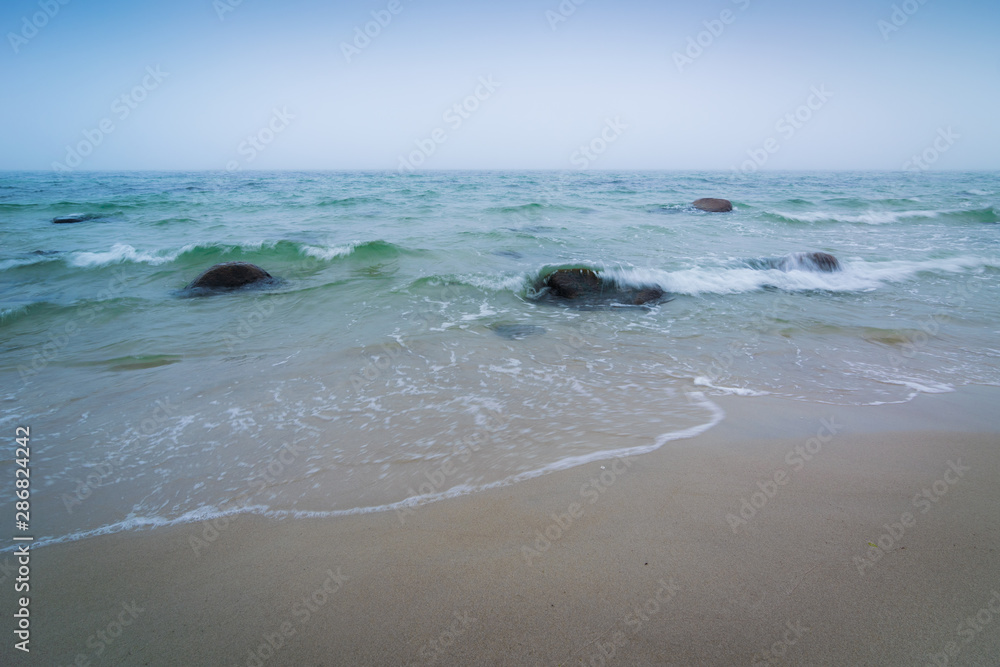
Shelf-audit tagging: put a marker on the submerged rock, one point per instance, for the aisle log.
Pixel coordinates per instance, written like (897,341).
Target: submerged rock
(586,288)
(822,261)
(230,276)
(76,217)
(517,331)
(713,205)
(800,261)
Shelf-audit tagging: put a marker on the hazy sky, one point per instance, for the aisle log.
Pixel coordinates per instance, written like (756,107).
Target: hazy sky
(256,84)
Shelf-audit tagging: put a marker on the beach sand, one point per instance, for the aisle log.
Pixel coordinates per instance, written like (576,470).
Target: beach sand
(646,568)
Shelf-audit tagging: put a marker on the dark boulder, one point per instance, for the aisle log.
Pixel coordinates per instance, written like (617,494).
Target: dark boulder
(573,283)
(714,205)
(586,288)
(230,276)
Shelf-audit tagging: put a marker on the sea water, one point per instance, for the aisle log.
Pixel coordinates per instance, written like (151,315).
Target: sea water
(401,357)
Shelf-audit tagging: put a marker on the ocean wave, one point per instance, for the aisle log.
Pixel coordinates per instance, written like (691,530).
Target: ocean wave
(329,252)
(495,283)
(200,253)
(347,202)
(13,312)
(536,207)
(119,253)
(35,258)
(501,282)
(875,217)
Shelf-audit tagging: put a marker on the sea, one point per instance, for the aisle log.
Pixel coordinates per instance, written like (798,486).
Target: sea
(402,354)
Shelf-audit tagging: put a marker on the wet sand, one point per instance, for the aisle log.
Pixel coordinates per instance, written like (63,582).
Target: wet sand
(749,544)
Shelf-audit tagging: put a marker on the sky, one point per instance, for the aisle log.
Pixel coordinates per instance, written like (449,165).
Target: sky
(542,84)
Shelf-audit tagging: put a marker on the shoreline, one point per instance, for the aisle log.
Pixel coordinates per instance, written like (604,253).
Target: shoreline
(752,537)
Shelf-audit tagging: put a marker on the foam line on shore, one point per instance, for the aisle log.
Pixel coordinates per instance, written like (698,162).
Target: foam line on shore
(137,523)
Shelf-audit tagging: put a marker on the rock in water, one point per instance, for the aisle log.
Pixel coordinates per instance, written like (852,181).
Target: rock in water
(647,295)
(799,261)
(714,205)
(230,276)
(573,283)
(822,261)
(585,288)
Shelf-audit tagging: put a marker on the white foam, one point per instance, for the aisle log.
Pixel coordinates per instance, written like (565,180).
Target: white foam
(856,276)
(495,283)
(329,252)
(702,381)
(484,311)
(923,387)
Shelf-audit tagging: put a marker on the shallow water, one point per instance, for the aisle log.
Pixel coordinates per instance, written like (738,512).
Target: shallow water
(392,363)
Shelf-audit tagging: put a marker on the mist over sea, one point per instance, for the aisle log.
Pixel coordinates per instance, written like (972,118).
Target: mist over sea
(402,357)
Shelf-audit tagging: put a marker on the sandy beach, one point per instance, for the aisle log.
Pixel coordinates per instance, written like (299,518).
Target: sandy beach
(750,544)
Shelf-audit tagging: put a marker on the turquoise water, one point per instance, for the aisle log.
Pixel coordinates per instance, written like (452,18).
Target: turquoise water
(372,376)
